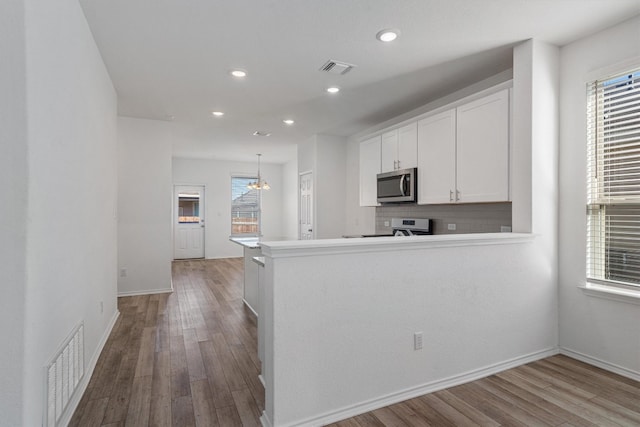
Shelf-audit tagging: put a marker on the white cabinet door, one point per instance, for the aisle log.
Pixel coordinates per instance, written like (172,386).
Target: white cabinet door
(408,146)
(369,169)
(437,158)
(483,149)
(389,151)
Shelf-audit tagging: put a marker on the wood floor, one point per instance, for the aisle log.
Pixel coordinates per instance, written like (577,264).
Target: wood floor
(190,359)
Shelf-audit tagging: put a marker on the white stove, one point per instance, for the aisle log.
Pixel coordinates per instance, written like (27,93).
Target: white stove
(411,226)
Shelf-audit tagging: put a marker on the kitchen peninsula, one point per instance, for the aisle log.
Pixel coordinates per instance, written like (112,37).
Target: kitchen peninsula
(251,249)
(342,319)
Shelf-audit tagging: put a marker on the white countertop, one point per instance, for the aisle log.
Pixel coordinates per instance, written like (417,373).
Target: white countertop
(247,242)
(254,242)
(291,248)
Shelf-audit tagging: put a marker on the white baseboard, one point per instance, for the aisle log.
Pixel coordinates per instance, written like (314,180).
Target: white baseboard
(249,307)
(360,408)
(146,292)
(82,387)
(607,366)
(264,420)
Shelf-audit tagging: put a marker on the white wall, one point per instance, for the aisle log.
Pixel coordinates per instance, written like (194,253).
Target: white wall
(13,209)
(534,161)
(341,321)
(326,157)
(144,206)
(290,200)
(603,331)
(329,181)
(359,220)
(215,175)
(72,185)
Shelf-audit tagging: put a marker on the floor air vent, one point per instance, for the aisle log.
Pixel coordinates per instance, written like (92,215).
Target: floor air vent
(64,373)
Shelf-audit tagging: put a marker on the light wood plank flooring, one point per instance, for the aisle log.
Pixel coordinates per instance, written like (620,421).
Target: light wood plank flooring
(190,359)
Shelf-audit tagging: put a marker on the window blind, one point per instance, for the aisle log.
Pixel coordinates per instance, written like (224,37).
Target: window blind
(613,211)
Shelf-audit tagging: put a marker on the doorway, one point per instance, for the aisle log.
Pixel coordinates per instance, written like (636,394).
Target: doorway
(188,222)
(306,206)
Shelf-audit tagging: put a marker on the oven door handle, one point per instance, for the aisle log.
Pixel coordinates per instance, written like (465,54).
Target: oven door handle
(402,184)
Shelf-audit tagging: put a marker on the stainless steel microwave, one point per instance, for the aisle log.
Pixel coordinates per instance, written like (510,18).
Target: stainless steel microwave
(398,186)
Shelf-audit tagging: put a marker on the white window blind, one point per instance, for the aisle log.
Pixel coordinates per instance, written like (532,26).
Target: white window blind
(613,211)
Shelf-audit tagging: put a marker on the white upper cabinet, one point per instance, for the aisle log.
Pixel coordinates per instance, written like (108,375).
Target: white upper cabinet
(437,158)
(389,151)
(370,150)
(399,148)
(483,149)
(463,153)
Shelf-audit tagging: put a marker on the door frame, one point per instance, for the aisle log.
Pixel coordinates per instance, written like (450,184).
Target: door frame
(174,218)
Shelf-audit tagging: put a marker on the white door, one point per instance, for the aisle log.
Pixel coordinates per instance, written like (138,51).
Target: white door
(306,206)
(188,222)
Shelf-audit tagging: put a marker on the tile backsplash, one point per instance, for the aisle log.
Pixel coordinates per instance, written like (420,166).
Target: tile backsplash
(468,218)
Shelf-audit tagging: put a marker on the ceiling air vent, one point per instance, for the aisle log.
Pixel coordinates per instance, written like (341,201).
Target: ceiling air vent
(261,133)
(336,67)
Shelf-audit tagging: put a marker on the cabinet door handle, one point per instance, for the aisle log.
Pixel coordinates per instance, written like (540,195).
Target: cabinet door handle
(451,195)
(398,164)
(457,195)
(395,164)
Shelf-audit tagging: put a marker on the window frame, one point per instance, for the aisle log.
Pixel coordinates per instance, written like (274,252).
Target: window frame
(598,199)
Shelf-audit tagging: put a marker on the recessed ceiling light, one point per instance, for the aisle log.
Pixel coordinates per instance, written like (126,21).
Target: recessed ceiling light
(288,122)
(333,89)
(238,73)
(217,113)
(387,35)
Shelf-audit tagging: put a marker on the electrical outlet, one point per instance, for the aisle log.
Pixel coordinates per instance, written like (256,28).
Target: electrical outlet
(123,272)
(386,223)
(417,341)
(451,227)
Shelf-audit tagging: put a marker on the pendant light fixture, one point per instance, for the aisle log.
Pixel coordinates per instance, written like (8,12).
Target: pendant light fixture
(259,184)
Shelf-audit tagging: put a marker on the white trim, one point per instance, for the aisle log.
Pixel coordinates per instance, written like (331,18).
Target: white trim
(607,366)
(82,387)
(146,292)
(303,248)
(612,293)
(436,107)
(264,420)
(360,408)
(249,307)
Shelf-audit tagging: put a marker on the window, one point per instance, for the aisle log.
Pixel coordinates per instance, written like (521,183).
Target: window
(245,207)
(613,211)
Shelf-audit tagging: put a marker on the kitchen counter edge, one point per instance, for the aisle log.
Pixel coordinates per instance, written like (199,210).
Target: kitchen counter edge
(296,248)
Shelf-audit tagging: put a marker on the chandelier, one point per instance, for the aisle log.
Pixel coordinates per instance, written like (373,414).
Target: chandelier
(259,184)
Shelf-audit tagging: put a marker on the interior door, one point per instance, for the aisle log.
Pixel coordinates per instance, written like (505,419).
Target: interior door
(306,206)
(188,225)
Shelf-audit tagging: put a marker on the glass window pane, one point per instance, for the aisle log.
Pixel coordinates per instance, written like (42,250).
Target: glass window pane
(245,206)
(188,208)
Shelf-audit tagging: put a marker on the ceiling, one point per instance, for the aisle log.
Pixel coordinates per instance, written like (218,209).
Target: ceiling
(170,60)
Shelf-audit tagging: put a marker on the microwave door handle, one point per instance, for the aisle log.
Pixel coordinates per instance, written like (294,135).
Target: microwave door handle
(402,186)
